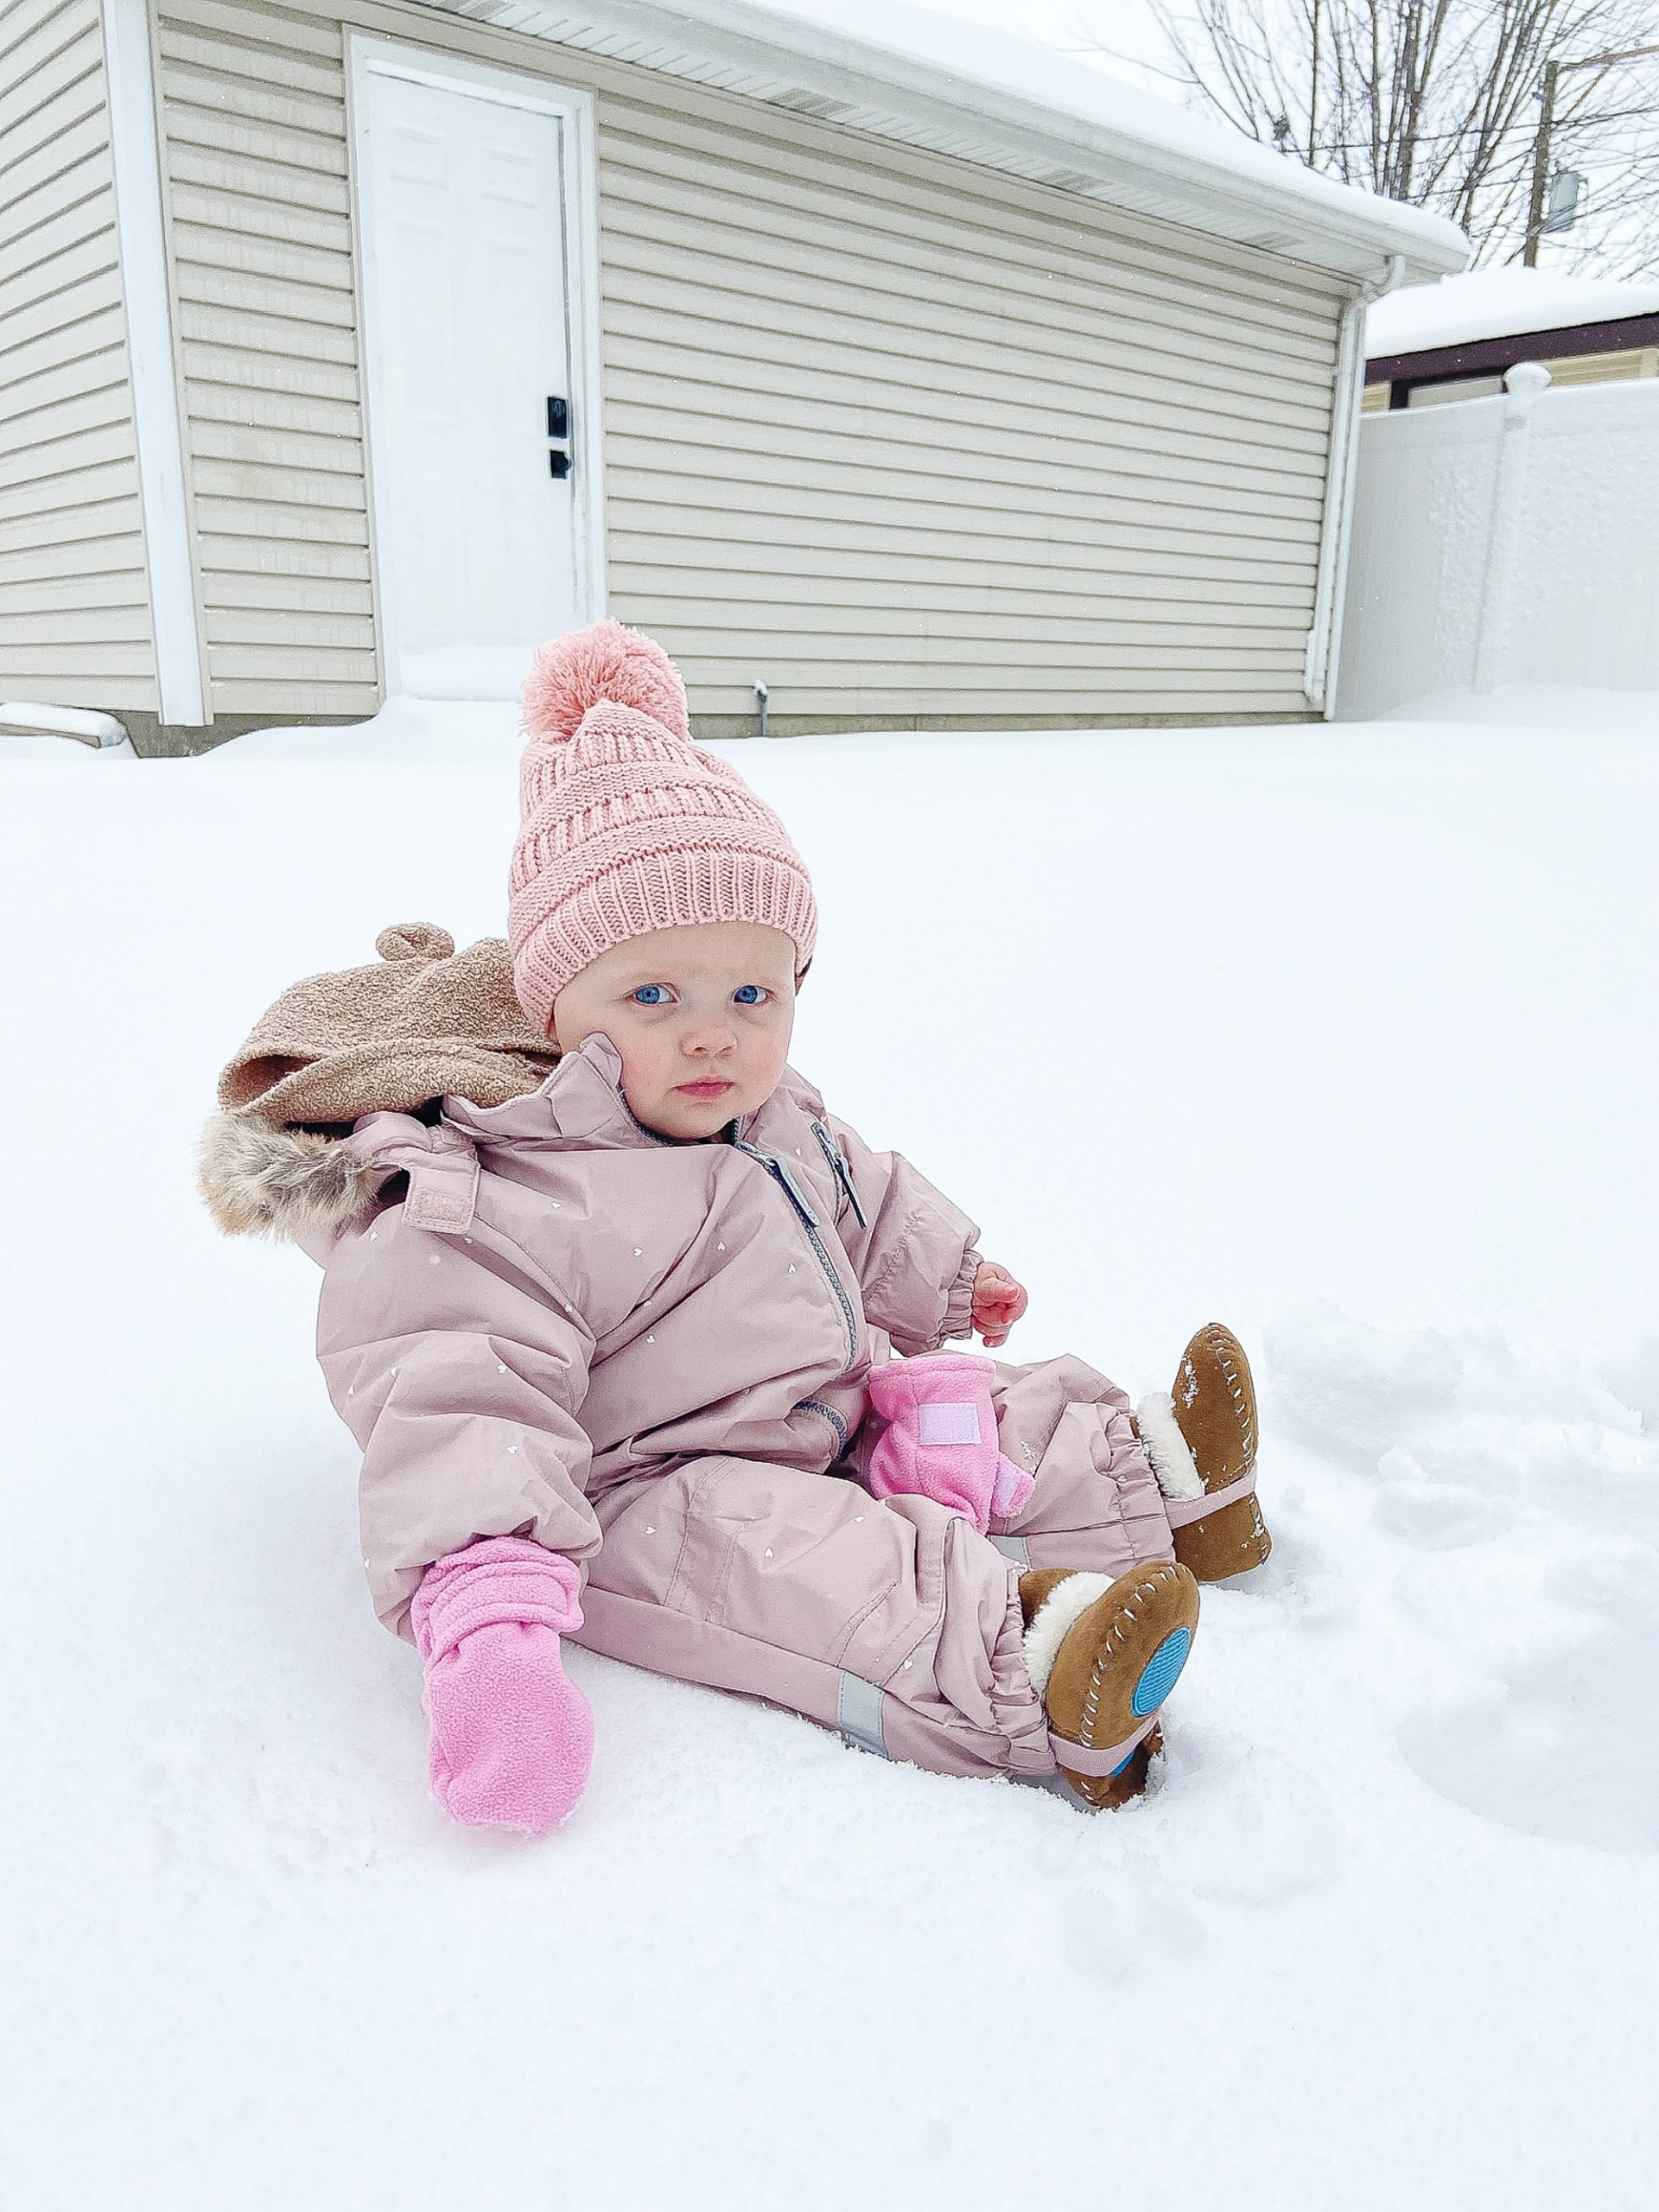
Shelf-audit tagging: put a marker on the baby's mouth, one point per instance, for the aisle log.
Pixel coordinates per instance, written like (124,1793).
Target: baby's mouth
(710,1087)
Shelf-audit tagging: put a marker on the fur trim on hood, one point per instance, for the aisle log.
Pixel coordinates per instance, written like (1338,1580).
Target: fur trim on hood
(257,1179)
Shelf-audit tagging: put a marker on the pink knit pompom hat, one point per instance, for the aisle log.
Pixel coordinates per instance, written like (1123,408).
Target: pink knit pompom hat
(625,826)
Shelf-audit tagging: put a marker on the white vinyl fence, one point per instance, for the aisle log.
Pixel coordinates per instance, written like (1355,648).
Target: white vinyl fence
(1513,540)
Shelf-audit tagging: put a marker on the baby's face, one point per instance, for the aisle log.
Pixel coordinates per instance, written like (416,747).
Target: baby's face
(701,1015)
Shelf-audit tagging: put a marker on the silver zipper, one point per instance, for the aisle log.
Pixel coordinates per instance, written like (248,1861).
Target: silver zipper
(781,1173)
(841,1170)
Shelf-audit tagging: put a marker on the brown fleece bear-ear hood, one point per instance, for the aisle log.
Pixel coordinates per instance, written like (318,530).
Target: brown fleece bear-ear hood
(422,1022)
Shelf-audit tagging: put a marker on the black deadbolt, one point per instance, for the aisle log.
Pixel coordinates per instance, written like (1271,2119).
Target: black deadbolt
(558,419)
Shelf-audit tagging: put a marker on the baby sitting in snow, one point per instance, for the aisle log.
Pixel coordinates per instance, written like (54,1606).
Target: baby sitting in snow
(618,1341)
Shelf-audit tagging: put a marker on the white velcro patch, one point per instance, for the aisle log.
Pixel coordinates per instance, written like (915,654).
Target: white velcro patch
(952,1423)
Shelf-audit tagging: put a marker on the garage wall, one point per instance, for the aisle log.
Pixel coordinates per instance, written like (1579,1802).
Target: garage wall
(259,223)
(905,438)
(74,605)
(908,440)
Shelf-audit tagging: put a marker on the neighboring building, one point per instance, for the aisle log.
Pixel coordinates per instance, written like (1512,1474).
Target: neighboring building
(1454,339)
(349,346)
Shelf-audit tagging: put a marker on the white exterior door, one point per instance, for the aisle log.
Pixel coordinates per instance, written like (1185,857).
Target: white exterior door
(468,308)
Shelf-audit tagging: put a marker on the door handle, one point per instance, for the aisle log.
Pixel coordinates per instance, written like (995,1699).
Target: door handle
(558,426)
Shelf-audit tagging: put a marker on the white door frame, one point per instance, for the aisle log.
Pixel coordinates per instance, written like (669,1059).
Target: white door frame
(579,189)
(181,689)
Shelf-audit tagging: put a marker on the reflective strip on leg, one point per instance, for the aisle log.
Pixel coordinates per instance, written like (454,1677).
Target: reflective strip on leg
(1014,1547)
(858,1715)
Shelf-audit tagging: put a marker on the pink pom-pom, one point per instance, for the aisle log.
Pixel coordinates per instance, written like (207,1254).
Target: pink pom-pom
(604,661)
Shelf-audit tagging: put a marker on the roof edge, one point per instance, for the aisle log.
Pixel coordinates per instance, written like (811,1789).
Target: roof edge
(786,60)
(1471,356)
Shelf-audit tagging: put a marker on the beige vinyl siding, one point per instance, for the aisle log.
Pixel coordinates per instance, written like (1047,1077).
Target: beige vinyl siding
(259,221)
(75,603)
(1603,368)
(908,439)
(912,441)
(1617,367)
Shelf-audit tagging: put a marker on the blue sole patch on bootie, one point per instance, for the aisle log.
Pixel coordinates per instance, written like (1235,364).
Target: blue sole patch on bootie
(1161,1673)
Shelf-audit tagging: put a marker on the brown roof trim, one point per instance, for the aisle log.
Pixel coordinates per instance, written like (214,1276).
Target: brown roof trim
(1480,356)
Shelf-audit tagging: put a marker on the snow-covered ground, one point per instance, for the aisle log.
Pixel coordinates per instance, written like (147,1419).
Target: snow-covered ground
(1344,1035)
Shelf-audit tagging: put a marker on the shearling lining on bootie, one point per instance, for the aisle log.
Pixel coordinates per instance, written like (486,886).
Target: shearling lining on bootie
(1058,1613)
(1167,1449)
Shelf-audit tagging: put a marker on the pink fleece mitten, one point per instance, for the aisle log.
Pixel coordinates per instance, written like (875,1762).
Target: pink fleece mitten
(511,1737)
(940,1441)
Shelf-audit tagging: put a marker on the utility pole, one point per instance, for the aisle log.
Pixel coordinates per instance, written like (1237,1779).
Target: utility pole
(1540,164)
(1313,95)
(1546,126)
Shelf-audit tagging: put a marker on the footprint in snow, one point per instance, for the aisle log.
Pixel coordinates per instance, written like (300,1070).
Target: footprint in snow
(227,1791)
(1367,1392)
(1528,1482)
(1561,1744)
(1236,1824)
(1437,1513)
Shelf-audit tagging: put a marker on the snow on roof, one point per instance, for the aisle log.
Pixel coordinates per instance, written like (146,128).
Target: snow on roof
(1498,303)
(980,57)
(1004,102)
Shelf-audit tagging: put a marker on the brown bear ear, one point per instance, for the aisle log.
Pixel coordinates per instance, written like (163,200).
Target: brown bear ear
(414,940)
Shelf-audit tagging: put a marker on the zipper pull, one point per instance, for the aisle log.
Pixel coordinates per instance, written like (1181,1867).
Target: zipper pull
(844,1173)
(779,1172)
(786,1175)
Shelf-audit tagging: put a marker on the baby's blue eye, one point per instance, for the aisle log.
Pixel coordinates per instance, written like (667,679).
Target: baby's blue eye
(751,994)
(649,994)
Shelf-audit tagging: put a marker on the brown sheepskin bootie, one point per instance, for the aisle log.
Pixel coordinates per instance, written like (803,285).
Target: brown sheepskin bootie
(1102,1656)
(1201,1441)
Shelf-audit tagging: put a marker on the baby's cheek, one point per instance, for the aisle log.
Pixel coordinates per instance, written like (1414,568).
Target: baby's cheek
(642,1079)
(775,1072)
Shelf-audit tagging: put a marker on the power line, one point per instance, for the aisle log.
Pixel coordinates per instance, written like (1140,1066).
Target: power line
(1474,129)
(1584,119)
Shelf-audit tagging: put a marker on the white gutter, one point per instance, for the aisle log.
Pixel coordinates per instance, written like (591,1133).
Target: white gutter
(154,383)
(1331,590)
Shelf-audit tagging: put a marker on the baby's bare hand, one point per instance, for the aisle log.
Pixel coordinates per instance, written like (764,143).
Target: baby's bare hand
(999,1302)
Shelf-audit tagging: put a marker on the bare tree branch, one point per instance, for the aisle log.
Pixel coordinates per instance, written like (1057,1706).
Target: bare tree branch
(1436,102)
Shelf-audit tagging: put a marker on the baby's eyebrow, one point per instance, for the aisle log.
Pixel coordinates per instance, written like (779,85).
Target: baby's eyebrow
(635,979)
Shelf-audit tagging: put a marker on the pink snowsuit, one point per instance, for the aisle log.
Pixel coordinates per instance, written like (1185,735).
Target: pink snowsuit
(652,1356)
